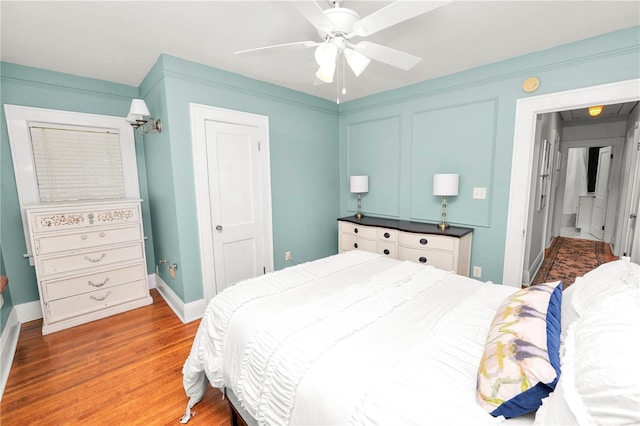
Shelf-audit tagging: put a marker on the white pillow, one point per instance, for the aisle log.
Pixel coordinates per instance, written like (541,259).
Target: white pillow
(600,368)
(607,279)
(567,313)
(554,410)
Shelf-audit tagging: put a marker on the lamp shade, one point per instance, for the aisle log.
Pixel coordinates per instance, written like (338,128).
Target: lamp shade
(138,107)
(356,60)
(326,53)
(446,184)
(326,72)
(359,184)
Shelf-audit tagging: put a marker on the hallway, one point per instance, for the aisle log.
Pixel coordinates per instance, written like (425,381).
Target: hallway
(568,258)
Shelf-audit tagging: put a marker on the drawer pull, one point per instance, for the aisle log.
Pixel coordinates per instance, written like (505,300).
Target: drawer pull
(423,241)
(423,259)
(386,251)
(92,284)
(99,299)
(355,245)
(95,260)
(101,234)
(387,235)
(84,237)
(355,230)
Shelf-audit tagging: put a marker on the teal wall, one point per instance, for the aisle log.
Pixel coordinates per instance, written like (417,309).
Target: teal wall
(303,136)
(47,89)
(464,123)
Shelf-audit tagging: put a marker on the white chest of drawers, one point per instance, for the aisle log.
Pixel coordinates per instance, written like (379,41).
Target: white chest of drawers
(405,240)
(89,259)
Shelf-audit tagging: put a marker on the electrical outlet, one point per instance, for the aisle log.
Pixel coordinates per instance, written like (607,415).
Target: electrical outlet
(477,271)
(287,255)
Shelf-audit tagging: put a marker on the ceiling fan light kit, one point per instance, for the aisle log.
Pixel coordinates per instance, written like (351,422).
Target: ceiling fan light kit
(356,60)
(337,25)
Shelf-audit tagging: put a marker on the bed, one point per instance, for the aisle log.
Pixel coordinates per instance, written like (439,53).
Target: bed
(358,339)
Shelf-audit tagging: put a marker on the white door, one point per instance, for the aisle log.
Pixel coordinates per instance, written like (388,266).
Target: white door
(632,241)
(231,163)
(235,202)
(600,200)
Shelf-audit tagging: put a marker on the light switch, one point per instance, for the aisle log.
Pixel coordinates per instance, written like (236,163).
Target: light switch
(479,193)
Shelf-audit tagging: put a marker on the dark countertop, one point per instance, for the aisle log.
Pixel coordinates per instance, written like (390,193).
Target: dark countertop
(408,226)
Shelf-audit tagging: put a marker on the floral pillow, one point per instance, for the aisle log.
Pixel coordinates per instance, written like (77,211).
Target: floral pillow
(521,361)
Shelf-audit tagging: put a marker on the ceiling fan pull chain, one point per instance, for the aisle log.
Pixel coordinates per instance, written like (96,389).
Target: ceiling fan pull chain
(338,83)
(344,77)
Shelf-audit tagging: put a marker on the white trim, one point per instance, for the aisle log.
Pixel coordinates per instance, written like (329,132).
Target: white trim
(533,268)
(186,312)
(521,163)
(18,120)
(199,115)
(29,311)
(8,344)
(151,280)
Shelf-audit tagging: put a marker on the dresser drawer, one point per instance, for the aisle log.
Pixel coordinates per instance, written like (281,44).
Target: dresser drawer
(426,241)
(75,219)
(359,230)
(388,249)
(61,288)
(439,259)
(352,242)
(48,265)
(69,307)
(390,235)
(52,243)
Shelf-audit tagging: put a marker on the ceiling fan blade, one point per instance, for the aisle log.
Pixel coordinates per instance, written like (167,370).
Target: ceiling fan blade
(290,46)
(394,14)
(314,14)
(387,55)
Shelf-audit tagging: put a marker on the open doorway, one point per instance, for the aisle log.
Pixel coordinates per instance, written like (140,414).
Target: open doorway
(587,179)
(523,154)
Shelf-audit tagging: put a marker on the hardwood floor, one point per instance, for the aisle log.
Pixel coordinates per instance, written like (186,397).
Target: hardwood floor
(125,369)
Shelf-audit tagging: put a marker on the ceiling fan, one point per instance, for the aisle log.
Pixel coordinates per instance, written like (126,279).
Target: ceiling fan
(336,26)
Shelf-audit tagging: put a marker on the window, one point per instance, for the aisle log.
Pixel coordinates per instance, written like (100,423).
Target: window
(75,163)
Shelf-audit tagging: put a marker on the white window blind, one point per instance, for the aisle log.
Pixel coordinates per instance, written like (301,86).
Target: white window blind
(76,163)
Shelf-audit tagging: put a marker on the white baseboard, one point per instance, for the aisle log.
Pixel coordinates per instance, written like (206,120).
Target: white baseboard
(187,312)
(151,280)
(8,344)
(534,268)
(29,311)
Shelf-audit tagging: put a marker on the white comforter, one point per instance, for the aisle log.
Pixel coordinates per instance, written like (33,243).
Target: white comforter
(354,339)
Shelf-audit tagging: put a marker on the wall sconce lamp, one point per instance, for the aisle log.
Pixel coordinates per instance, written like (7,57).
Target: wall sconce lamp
(359,185)
(445,185)
(137,115)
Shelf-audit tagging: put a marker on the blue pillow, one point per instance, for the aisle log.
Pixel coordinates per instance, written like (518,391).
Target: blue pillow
(521,361)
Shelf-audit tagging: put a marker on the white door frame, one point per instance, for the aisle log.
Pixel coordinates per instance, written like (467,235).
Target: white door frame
(521,163)
(199,114)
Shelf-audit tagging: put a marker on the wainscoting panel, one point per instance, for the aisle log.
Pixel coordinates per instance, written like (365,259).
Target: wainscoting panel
(373,149)
(457,139)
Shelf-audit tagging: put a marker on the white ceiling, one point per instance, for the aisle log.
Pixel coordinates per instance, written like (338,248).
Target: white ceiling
(119,41)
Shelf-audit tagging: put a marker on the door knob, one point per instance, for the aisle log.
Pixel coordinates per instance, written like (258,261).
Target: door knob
(633,216)
(218,227)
